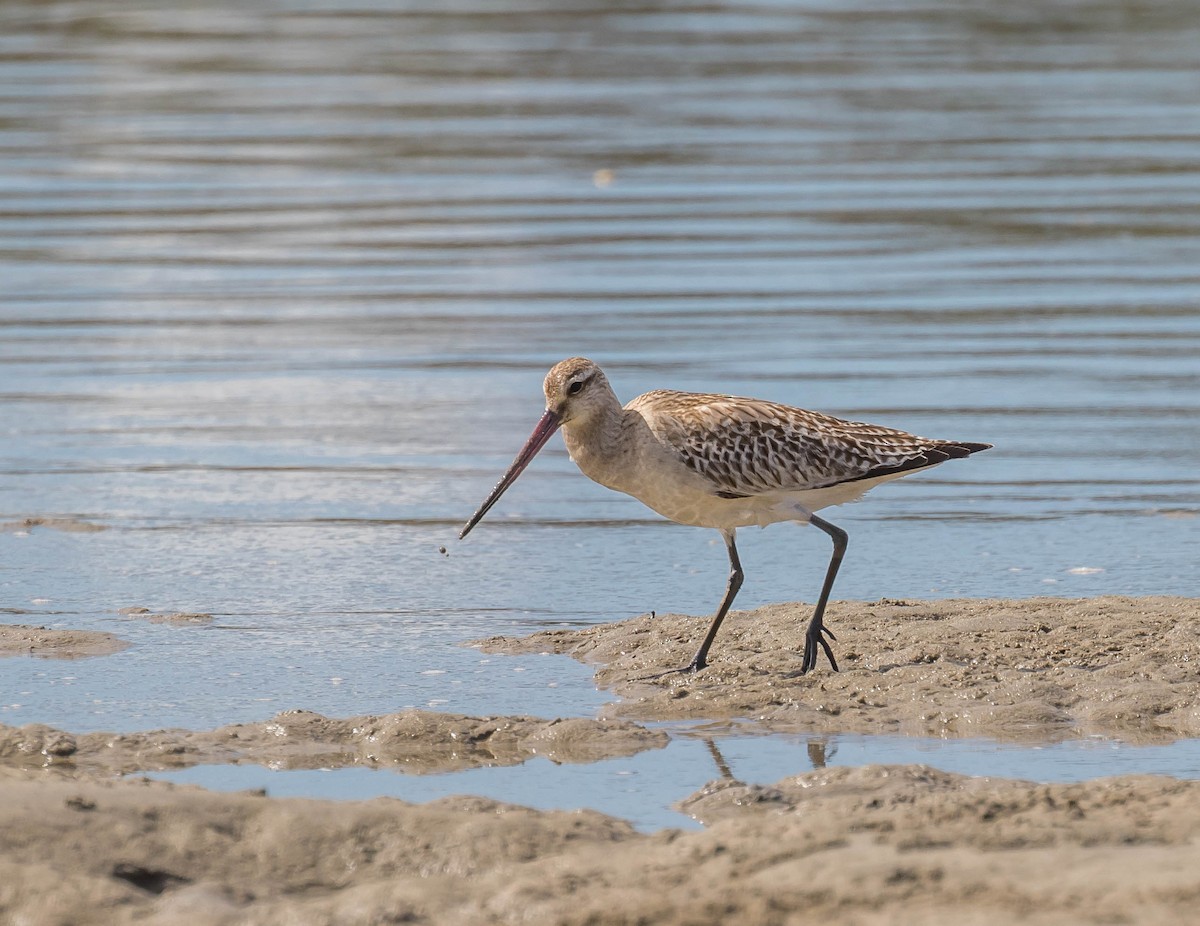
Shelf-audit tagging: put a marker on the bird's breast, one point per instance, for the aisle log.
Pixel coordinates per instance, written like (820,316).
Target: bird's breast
(657,478)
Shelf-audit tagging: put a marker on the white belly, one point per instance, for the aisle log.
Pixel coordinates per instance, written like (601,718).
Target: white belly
(683,496)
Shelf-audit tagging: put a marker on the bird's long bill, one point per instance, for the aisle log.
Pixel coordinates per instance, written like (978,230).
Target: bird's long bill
(537,440)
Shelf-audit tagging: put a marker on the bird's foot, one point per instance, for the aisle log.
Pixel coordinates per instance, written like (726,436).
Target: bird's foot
(694,666)
(816,637)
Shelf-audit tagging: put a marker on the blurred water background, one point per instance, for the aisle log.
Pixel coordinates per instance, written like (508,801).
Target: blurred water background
(279,283)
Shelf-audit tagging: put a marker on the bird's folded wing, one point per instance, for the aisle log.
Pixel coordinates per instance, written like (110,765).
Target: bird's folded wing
(748,446)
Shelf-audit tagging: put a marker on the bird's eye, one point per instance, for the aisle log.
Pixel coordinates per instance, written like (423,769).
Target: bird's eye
(575,388)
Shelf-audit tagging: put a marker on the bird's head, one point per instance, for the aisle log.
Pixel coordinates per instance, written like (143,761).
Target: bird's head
(577,390)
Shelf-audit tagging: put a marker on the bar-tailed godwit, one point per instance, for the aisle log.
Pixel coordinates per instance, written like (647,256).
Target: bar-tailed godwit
(723,462)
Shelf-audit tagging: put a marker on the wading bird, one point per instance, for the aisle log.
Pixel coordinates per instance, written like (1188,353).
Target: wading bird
(723,462)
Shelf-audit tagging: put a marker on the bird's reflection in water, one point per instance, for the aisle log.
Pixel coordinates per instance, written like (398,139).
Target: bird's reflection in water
(819,753)
(719,760)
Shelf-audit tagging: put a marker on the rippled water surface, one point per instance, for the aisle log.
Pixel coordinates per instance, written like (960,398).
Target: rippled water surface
(278,287)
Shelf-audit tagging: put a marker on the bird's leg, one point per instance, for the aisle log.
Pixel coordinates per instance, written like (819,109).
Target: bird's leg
(817,631)
(722,765)
(700,660)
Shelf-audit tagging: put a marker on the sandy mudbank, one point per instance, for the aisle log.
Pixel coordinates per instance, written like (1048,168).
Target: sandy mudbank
(70,525)
(413,741)
(28,640)
(174,618)
(869,845)
(1043,668)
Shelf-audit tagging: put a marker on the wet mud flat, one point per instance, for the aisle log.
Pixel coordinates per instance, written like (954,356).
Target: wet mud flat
(84,839)
(1030,669)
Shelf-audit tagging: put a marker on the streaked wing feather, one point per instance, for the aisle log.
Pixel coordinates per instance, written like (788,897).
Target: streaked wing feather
(747,446)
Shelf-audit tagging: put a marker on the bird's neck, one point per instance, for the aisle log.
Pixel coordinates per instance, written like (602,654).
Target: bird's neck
(596,444)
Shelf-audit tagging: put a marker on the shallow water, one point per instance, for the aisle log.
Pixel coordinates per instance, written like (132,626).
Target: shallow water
(644,788)
(279,288)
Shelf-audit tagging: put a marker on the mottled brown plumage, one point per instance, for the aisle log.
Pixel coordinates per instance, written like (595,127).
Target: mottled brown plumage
(724,462)
(749,446)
